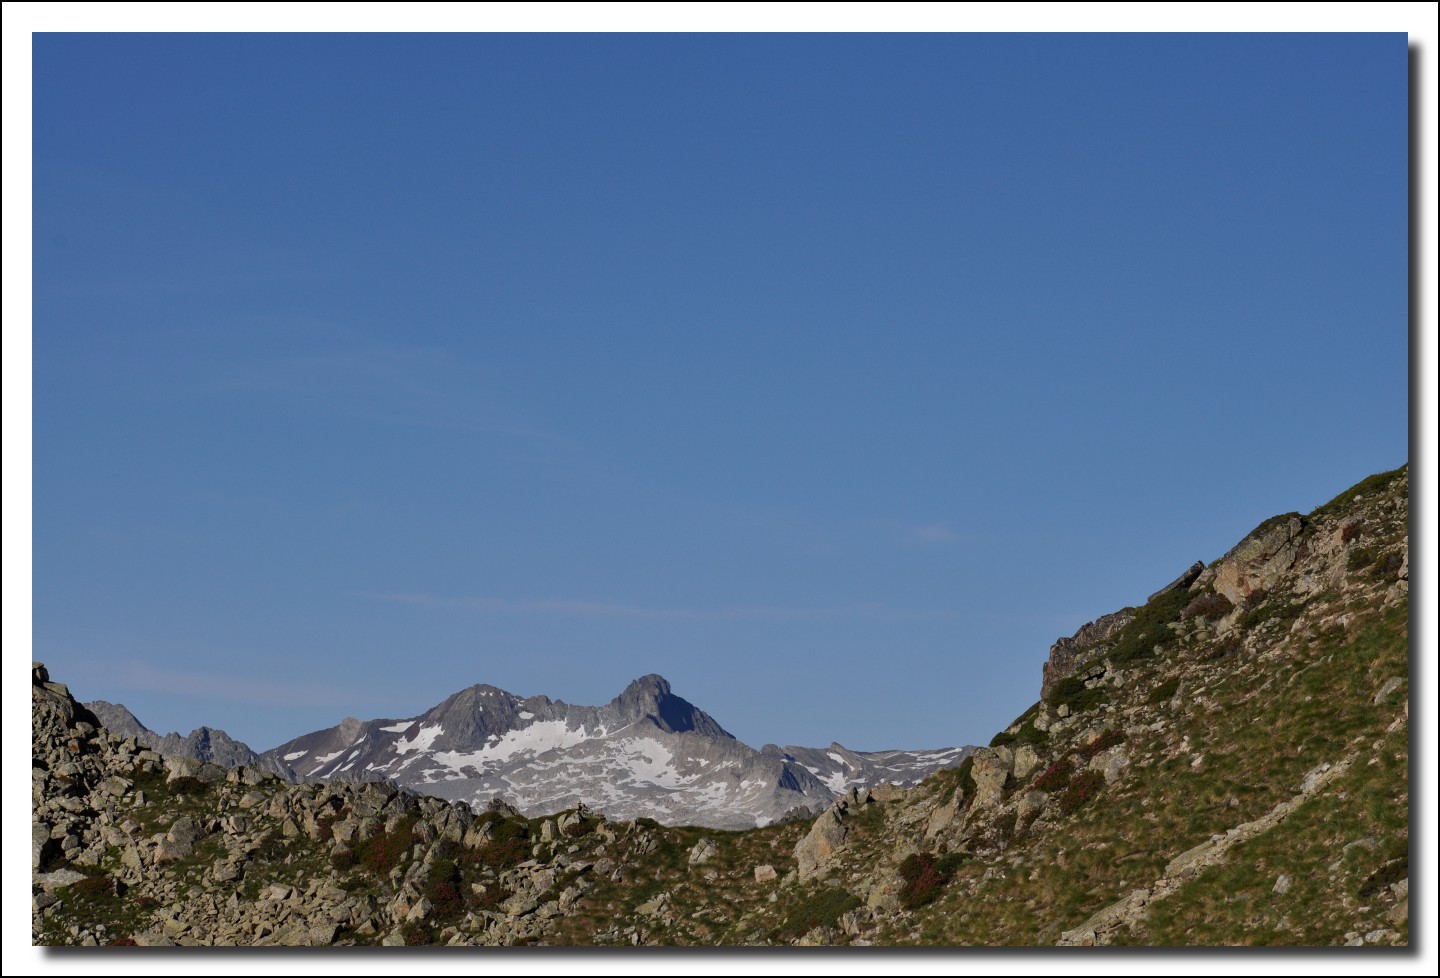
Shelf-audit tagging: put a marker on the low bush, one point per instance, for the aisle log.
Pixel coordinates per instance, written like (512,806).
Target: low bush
(1364,487)
(923,880)
(1150,627)
(1072,692)
(1210,605)
(1028,734)
(822,909)
(1085,786)
(1106,740)
(1163,692)
(1267,610)
(416,934)
(1361,557)
(383,851)
(1054,777)
(1383,878)
(191,787)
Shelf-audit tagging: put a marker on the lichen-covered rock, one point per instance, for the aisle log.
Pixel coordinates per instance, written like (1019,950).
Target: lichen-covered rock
(1257,563)
(992,767)
(824,839)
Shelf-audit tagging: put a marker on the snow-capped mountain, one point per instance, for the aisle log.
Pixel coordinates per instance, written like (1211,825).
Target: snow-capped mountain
(840,768)
(647,753)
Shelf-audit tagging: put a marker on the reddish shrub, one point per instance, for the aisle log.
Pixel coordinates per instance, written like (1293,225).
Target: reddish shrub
(1054,777)
(1106,740)
(923,880)
(1207,606)
(1087,785)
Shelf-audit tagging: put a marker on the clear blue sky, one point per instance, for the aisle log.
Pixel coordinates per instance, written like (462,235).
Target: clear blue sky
(831,377)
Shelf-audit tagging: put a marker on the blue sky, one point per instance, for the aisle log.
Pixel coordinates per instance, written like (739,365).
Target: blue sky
(832,377)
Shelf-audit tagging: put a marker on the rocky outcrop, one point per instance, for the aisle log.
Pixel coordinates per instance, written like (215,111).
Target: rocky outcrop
(202,744)
(827,835)
(1256,564)
(1067,653)
(1090,639)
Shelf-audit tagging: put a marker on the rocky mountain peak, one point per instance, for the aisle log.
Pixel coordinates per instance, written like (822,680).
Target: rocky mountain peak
(649,697)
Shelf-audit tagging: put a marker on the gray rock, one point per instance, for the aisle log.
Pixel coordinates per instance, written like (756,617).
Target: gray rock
(825,838)
(1390,686)
(702,851)
(992,766)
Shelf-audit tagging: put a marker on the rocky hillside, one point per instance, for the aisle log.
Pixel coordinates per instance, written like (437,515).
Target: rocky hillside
(1227,763)
(646,754)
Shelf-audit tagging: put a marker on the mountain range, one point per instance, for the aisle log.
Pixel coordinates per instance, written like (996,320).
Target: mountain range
(646,754)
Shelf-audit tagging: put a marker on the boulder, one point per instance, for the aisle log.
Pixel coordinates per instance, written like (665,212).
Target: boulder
(814,852)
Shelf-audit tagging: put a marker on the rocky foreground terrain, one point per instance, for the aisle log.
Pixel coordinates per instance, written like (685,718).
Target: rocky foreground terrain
(1226,764)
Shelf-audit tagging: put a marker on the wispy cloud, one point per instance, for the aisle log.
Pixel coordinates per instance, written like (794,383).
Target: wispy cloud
(572,608)
(931,533)
(410,385)
(137,675)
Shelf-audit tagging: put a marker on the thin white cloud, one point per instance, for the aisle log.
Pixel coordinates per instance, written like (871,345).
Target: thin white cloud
(410,385)
(932,533)
(137,675)
(572,608)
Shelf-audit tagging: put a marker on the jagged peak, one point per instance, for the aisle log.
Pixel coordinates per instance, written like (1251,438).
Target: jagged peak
(648,683)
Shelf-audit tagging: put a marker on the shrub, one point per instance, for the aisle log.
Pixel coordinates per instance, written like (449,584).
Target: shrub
(445,897)
(1219,650)
(382,851)
(1272,522)
(1364,487)
(1085,786)
(492,896)
(94,888)
(923,880)
(501,855)
(1106,740)
(1265,610)
(823,909)
(1054,777)
(416,934)
(187,785)
(505,829)
(1072,692)
(1165,691)
(1392,872)
(1210,605)
(1150,626)
(579,828)
(1027,734)
(1361,557)
(965,779)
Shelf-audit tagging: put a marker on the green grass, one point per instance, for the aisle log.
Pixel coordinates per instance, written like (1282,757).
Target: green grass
(1366,486)
(823,908)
